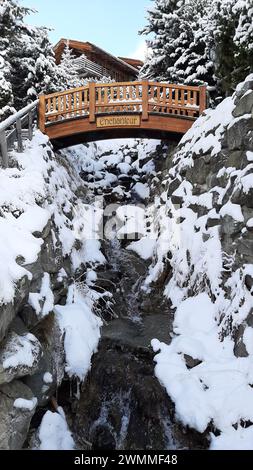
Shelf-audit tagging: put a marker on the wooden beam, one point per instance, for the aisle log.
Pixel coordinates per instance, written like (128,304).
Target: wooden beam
(92,102)
(202,99)
(30,125)
(145,100)
(4,149)
(42,112)
(19,135)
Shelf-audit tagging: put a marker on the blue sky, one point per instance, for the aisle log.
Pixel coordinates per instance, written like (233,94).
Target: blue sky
(110,24)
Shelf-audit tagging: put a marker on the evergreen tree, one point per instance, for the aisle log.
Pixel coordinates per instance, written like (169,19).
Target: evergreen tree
(67,70)
(180,47)
(30,66)
(223,21)
(198,41)
(68,76)
(33,67)
(6,96)
(196,62)
(9,24)
(244,38)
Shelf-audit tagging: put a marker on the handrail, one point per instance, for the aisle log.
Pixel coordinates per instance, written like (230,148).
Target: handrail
(176,85)
(66,92)
(12,130)
(4,125)
(142,97)
(117,84)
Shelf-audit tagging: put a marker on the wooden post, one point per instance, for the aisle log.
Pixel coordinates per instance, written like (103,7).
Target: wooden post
(30,125)
(4,149)
(202,99)
(92,101)
(19,135)
(145,100)
(42,112)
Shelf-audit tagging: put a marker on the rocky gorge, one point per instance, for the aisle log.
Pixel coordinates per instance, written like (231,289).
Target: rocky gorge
(167,296)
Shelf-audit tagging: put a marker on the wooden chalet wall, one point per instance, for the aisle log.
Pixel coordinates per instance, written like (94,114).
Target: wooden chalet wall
(115,67)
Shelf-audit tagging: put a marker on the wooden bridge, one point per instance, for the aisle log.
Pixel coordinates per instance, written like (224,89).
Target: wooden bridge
(106,111)
(114,110)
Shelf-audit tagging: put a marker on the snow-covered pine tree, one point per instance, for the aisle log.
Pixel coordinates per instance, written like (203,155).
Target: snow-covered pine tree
(6,96)
(33,67)
(30,66)
(44,75)
(67,70)
(198,41)
(14,41)
(156,65)
(8,14)
(195,66)
(244,39)
(180,45)
(223,21)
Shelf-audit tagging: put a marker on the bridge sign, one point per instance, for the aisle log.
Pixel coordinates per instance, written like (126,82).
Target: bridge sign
(118,121)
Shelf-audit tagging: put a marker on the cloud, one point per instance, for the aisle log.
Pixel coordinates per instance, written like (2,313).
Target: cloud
(141,51)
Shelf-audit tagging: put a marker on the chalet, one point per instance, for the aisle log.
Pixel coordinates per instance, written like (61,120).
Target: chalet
(92,61)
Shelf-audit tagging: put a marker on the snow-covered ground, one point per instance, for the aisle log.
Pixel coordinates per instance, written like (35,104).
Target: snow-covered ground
(218,389)
(27,203)
(37,190)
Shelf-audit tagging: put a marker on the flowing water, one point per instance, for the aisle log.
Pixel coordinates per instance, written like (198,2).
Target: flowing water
(121,404)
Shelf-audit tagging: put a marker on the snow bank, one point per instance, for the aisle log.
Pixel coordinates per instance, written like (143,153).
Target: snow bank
(233,439)
(142,190)
(47,378)
(22,192)
(42,302)
(210,390)
(39,189)
(143,247)
(81,329)
(54,433)
(206,133)
(200,370)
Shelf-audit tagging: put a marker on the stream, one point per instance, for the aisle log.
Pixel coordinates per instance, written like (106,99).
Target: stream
(121,404)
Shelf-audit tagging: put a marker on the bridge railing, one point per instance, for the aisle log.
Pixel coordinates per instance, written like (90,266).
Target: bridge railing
(14,129)
(131,97)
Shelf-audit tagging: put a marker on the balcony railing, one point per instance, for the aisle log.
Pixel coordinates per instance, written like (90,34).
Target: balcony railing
(84,65)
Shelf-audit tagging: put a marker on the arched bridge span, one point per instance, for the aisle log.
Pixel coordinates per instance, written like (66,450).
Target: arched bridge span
(115,110)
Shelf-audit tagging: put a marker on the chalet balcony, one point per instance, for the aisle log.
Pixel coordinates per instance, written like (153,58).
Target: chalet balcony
(87,68)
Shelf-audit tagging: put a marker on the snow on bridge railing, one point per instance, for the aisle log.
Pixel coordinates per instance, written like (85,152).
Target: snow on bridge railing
(15,128)
(125,97)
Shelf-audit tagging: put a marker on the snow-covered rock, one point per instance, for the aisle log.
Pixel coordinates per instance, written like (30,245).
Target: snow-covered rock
(19,356)
(210,250)
(54,433)
(43,240)
(81,330)
(142,190)
(17,407)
